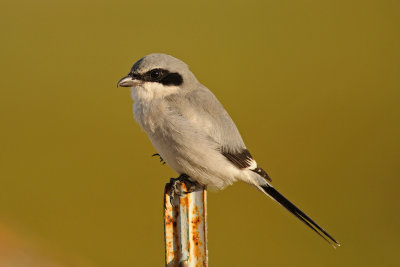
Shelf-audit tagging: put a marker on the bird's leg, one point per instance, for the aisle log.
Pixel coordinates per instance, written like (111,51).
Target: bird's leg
(191,186)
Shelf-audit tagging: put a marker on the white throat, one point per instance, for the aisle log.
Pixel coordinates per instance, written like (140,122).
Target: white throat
(149,91)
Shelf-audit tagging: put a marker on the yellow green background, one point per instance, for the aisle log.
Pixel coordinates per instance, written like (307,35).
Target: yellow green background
(312,85)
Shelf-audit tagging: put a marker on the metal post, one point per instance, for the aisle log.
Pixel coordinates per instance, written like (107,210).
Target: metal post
(185,228)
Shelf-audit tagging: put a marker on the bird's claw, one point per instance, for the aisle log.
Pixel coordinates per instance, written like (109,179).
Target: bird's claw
(176,189)
(161,159)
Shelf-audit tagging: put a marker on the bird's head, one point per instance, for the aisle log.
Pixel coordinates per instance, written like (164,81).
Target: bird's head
(157,75)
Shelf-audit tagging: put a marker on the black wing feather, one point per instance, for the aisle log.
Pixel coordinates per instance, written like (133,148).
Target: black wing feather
(243,160)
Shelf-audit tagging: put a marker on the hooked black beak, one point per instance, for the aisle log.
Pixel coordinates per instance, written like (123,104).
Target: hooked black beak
(127,81)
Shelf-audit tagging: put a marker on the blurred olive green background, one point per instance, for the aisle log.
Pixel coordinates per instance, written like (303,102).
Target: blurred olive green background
(312,85)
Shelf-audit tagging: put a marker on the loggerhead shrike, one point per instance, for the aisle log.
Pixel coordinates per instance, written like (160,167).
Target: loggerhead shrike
(193,133)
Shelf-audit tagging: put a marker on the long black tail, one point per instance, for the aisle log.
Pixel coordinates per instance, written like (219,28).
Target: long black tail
(274,194)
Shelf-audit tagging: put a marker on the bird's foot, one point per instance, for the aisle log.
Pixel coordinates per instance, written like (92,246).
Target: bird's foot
(161,159)
(176,189)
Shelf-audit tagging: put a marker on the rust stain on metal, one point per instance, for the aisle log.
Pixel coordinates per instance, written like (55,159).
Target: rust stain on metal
(195,237)
(185,224)
(195,222)
(168,220)
(172,248)
(184,199)
(205,249)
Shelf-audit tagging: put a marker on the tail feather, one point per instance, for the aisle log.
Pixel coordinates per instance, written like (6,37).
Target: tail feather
(275,195)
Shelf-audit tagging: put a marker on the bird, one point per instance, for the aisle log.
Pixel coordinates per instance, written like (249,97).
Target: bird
(194,134)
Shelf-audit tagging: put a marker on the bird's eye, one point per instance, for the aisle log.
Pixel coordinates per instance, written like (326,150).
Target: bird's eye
(155,74)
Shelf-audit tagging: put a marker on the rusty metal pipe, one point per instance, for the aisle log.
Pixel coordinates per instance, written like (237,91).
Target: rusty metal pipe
(185,228)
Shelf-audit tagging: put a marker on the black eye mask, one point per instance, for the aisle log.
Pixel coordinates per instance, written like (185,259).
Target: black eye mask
(160,76)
